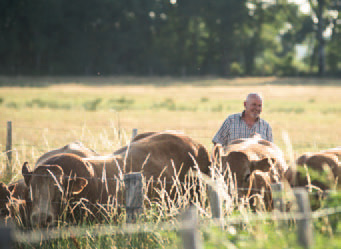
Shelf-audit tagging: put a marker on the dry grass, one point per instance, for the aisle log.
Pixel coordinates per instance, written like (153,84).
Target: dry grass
(308,113)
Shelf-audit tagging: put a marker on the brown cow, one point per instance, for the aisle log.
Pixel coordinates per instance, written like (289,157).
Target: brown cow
(258,190)
(143,135)
(76,148)
(318,172)
(14,196)
(16,191)
(325,162)
(13,203)
(248,154)
(240,159)
(159,156)
(64,178)
(5,196)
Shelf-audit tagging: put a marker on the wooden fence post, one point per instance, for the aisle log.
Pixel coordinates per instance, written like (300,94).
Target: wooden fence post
(6,239)
(134,195)
(190,234)
(277,196)
(133,133)
(304,224)
(9,150)
(215,202)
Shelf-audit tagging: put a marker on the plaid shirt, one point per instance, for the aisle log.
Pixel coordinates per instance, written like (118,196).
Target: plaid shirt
(234,127)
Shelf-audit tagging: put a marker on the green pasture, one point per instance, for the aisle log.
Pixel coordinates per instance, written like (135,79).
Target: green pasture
(47,113)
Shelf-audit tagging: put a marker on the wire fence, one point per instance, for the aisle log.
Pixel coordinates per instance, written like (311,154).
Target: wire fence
(191,129)
(36,236)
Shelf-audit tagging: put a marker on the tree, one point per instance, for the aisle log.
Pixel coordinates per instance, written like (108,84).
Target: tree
(320,10)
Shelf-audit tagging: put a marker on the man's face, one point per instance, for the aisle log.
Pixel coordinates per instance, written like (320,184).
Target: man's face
(253,107)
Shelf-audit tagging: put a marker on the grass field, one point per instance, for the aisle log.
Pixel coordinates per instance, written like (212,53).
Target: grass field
(47,113)
(57,114)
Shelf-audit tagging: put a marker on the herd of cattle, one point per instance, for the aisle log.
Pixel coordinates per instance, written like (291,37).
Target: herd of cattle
(63,178)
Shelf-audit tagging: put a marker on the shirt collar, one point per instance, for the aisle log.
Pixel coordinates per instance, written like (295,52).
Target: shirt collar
(242,114)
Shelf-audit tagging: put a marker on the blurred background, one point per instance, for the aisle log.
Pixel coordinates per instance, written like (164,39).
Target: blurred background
(170,37)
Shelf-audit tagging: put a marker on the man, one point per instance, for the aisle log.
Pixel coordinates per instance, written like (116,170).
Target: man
(245,124)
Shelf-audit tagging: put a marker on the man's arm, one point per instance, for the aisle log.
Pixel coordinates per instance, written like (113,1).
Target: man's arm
(223,134)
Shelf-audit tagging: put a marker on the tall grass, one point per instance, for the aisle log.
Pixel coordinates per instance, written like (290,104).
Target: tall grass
(158,226)
(103,117)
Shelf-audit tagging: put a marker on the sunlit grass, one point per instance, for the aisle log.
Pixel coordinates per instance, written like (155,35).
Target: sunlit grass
(102,117)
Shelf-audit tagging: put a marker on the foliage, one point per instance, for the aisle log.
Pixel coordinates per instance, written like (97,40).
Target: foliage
(157,37)
(92,105)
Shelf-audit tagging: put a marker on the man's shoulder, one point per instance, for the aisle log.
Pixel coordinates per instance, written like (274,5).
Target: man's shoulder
(264,122)
(235,116)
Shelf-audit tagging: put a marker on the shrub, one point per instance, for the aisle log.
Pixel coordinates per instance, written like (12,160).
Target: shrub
(92,105)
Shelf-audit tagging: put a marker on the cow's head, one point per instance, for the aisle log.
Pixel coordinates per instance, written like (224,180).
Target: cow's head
(241,166)
(258,190)
(49,189)
(5,195)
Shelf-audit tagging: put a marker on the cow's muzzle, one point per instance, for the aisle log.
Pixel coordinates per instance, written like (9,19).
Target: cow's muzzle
(42,219)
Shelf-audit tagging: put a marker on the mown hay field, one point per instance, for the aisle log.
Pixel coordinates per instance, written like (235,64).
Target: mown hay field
(48,113)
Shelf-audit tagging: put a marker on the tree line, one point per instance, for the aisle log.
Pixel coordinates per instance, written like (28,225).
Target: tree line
(169,37)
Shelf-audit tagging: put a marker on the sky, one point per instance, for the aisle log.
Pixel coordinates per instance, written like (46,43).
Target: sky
(304,5)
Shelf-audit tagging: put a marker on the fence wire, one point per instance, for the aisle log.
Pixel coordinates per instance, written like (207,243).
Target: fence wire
(36,236)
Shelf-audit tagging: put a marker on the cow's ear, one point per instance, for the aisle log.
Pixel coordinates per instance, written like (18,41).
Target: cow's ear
(26,173)
(77,185)
(263,165)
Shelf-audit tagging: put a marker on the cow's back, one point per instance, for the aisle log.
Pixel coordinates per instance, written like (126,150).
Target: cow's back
(160,155)
(109,171)
(258,149)
(76,148)
(322,163)
(170,150)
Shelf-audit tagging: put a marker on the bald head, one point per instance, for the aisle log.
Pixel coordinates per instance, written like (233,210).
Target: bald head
(253,96)
(253,106)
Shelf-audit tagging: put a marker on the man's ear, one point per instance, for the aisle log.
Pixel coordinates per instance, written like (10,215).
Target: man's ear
(263,165)
(77,184)
(26,173)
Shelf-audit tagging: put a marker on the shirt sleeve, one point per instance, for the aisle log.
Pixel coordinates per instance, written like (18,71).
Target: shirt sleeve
(223,134)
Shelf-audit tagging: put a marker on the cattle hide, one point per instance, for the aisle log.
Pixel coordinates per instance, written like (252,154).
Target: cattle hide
(64,179)
(243,161)
(162,156)
(76,148)
(324,167)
